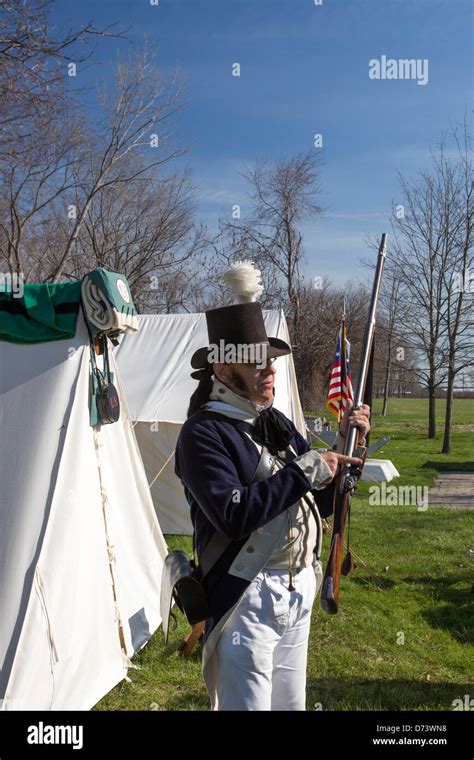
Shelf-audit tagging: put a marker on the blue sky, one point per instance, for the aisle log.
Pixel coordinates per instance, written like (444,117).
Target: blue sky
(304,70)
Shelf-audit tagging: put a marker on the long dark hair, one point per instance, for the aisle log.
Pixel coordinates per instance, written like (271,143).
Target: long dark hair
(202,392)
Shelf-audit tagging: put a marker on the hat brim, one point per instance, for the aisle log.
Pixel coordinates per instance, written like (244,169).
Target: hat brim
(276,347)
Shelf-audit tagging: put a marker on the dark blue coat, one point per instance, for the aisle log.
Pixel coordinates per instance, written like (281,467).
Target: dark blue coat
(213,460)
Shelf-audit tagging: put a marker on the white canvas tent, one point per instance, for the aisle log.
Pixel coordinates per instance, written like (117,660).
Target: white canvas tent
(81,550)
(155,370)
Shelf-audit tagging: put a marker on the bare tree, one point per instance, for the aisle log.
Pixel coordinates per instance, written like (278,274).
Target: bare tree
(34,184)
(457,200)
(283,197)
(419,261)
(433,246)
(146,231)
(32,69)
(230,244)
(138,126)
(80,197)
(388,331)
(320,320)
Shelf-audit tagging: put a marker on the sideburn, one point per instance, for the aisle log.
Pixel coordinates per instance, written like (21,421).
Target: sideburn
(238,382)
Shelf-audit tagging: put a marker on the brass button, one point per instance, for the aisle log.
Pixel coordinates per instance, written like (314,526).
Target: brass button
(239,566)
(250,549)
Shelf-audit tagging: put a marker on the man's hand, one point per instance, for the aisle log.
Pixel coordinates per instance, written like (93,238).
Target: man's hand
(360,418)
(335,461)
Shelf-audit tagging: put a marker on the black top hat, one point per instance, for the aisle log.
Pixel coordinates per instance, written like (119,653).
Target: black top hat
(237,331)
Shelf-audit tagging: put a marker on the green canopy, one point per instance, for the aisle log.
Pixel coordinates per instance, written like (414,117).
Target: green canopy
(42,313)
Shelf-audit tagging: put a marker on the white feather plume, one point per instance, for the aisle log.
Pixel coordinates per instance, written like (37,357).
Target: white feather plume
(243,280)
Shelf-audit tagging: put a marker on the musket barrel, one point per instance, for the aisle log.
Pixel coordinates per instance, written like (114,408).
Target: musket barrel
(367,343)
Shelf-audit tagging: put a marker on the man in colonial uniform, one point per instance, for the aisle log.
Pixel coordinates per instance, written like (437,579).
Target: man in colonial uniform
(254,487)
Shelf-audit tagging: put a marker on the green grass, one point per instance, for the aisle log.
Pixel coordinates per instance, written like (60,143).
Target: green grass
(408,646)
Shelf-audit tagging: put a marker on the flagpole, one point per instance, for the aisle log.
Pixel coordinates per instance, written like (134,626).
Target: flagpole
(343,348)
(339,372)
(343,358)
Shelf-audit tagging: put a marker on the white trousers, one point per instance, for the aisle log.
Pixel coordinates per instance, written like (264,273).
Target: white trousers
(261,654)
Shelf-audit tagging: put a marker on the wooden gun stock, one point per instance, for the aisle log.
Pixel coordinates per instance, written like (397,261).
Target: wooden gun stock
(332,576)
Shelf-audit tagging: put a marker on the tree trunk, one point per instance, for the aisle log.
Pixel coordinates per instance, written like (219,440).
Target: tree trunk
(449,410)
(431,411)
(386,389)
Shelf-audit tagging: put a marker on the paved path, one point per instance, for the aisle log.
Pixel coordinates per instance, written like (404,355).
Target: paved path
(453,490)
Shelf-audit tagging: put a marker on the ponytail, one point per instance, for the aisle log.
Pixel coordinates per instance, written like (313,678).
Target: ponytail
(203,391)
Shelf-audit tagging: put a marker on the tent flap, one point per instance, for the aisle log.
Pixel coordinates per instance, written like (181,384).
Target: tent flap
(81,549)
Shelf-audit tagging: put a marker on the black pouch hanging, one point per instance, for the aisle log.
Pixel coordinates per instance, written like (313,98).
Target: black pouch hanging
(182,581)
(108,404)
(107,398)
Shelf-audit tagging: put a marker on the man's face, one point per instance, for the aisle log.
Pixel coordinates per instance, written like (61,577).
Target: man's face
(248,381)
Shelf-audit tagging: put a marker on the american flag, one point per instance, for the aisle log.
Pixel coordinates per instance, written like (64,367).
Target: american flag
(340,385)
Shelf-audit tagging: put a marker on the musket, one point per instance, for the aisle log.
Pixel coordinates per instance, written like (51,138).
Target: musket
(350,474)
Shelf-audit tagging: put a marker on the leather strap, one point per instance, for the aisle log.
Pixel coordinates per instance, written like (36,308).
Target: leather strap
(215,548)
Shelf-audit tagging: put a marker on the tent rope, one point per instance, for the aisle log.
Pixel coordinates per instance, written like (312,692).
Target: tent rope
(159,473)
